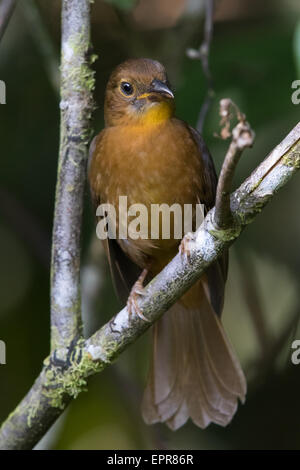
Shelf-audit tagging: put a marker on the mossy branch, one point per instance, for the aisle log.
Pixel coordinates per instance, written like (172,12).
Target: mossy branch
(77,83)
(66,371)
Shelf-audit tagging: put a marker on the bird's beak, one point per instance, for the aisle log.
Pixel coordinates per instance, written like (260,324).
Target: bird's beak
(157,87)
(160,87)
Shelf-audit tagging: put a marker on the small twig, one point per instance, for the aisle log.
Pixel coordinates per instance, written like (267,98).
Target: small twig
(26,225)
(253,299)
(6,11)
(77,83)
(242,137)
(202,54)
(267,364)
(43,42)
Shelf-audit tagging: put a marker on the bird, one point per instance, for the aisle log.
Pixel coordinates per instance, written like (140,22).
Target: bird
(147,154)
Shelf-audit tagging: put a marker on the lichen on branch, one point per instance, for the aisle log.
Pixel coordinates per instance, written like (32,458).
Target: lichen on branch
(76,105)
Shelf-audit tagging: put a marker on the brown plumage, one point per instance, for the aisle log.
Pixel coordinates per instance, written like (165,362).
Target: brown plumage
(148,155)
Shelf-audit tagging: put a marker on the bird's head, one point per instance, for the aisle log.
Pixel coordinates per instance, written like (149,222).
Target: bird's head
(138,93)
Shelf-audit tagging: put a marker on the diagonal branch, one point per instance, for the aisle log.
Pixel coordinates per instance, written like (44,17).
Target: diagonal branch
(77,83)
(63,379)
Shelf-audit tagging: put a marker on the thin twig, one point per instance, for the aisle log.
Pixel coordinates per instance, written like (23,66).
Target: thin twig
(77,83)
(259,367)
(63,379)
(249,284)
(43,42)
(26,225)
(202,54)
(6,10)
(242,137)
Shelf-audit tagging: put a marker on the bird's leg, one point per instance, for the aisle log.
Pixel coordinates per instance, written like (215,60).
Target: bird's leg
(137,290)
(185,246)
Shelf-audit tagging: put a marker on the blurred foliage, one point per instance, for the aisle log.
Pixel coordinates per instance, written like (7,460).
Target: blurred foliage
(254,59)
(297,48)
(123,4)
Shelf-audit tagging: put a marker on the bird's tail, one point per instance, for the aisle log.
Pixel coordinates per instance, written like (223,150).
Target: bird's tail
(194,371)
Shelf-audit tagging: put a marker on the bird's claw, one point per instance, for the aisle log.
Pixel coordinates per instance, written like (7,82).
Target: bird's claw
(140,291)
(185,246)
(132,302)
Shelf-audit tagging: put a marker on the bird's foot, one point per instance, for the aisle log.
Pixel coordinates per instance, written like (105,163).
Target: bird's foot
(136,291)
(185,246)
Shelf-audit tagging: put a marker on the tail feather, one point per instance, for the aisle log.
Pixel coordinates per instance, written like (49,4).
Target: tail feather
(194,372)
(217,401)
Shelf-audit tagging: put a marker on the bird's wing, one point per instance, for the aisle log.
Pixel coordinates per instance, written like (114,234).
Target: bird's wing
(94,196)
(210,176)
(124,272)
(216,273)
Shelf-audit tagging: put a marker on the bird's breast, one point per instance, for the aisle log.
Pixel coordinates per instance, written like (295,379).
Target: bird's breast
(158,164)
(149,166)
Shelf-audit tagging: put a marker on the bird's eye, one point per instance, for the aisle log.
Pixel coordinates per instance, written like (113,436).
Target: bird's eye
(127,88)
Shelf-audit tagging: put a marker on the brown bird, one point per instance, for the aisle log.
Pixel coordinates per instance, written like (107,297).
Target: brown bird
(150,156)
